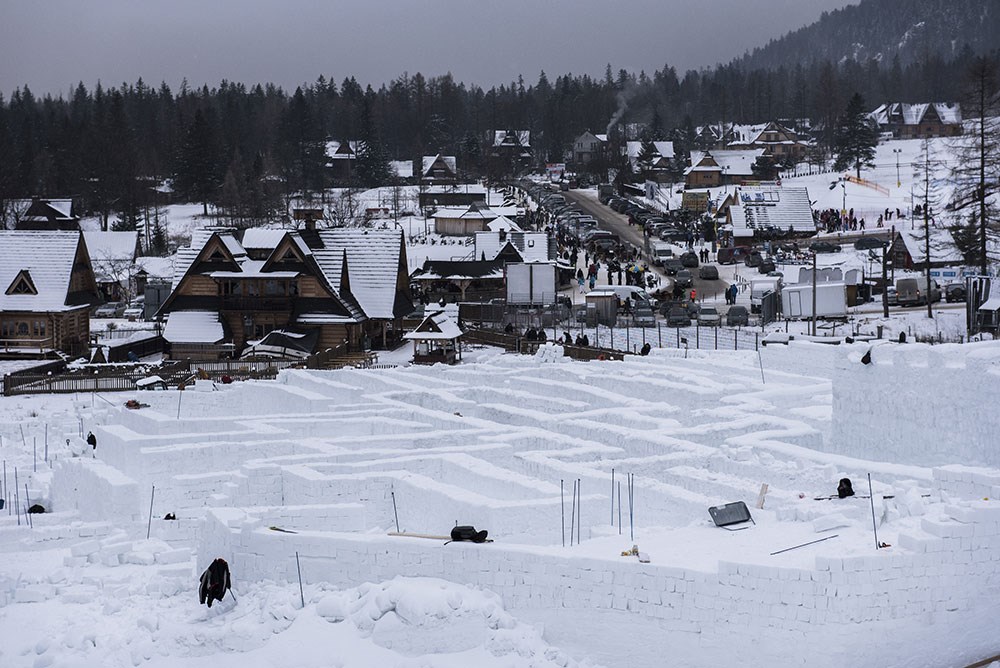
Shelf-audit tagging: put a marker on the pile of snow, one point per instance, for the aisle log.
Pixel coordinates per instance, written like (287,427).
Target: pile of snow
(550,352)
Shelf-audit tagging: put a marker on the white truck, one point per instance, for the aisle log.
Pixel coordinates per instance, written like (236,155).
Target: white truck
(531,283)
(760,287)
(831,300)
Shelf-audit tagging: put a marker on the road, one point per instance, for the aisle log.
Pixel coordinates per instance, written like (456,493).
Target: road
(608,219)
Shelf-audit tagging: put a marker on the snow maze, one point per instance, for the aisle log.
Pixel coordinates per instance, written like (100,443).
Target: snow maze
(312,464)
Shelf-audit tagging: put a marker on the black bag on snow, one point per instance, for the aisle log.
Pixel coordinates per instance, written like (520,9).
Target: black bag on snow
(468,533)
(845,489)
(214,582)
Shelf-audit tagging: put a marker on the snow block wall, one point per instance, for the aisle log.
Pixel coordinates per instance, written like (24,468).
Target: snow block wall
(96,490)
(955,423)
(949,565)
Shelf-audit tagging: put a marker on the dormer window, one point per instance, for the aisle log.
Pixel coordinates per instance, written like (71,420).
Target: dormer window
(22,284)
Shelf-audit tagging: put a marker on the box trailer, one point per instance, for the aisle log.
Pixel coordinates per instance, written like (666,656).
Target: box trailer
(760,287)
(531,283)
(831,300)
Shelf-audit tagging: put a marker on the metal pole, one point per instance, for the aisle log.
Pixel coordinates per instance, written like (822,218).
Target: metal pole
(619,507)
(180,393)
(572,515)
(562,510)
(659,336)
(46,442)
(871,497)
(579,506)
(612,497)
(814,297)
(395,514)
(17,504)
(631,506)
(27,507)
(298,568)
(149,523)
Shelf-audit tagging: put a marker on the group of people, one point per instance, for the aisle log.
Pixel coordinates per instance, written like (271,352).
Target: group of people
(731,292)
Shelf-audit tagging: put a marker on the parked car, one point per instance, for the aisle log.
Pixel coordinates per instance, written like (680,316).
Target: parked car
(708,272)
(684,278)
(732,255)
(737,315)
(643,317)
(689,259)
(678,317)
(824,247)
(765,267)
(890,296)
(753,259)
(109,310)
(709,316)
(134,312)
(868,243)
(672,265)
(954,292)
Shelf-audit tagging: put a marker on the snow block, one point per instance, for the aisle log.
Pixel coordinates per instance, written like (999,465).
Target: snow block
(173,556)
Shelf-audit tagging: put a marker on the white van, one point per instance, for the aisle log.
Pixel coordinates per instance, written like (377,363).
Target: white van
(660,251)
(633,293)
(914,292)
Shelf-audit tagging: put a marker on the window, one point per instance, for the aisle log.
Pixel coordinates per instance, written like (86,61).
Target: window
(22,329)
(38,328)
(272,288)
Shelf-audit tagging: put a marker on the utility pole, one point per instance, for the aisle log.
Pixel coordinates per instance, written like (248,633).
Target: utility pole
(885,287)
(814,296)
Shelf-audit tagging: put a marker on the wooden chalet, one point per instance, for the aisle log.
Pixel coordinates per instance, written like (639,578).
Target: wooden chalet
(510,151)
(915,121)
(48,288)
(436,340)
(463,222)
(589,147)
(451,281)
(341,158)
(715,168)
(49,215)
(439,169)
(777,141)
(349,287)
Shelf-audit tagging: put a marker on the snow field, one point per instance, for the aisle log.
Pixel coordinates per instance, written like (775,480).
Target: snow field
(324,454)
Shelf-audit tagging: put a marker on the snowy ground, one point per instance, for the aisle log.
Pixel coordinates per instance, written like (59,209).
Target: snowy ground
(336,457)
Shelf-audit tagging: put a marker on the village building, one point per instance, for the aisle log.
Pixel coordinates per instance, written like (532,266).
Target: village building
(438,169)
(716,168)
(451,195)
(909,248)
(777,141)
(915,121)
(436,340)
(341,158)
(509,151)
(660,167)
(47,288)
(760,210)
(589,147)
(463,222)
(349,287)
(49,215)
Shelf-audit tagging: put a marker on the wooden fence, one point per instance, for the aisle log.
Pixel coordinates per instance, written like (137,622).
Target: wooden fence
(512,343)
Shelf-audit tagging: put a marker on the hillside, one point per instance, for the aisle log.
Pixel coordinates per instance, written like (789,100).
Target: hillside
(885,29)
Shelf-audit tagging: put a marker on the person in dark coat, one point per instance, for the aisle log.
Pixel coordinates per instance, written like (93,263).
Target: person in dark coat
(586,340)
(531,334)
(214,582)
(541,335)
(645,349)
(92,440)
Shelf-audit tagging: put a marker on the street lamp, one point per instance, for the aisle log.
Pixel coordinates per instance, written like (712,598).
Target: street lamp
(897,151)
(725,179)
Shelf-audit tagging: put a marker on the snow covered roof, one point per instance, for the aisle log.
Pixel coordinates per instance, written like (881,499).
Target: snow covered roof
(503,223)
(262,238)
(634,148)
(471,212)
(373,258)
(734,163)
(532,246)
(943,248)
(193,327)
(157,267)
(429,160)
(913,114)
(760,207)
(336,150)
(512,138)
(45,261)
(111,245)
(435,327)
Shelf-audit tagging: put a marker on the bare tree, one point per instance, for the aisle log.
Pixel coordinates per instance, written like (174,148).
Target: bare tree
(927,186)
(12,211)
(343,210)
(977,171)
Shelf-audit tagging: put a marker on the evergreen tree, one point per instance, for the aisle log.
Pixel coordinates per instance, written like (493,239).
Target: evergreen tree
(196,176)
(647,155)
(855,138)
(927,188)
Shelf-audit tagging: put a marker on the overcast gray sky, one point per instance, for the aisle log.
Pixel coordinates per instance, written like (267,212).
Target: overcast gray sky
(52,44)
